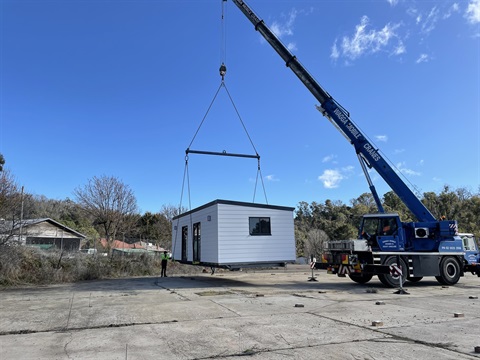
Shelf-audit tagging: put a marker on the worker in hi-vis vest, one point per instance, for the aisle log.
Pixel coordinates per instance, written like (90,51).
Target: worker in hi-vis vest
(164,258)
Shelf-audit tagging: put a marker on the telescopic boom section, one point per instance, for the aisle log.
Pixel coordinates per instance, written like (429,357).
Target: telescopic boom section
(341,120)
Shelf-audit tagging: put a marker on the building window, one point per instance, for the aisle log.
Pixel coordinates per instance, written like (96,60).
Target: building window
(260,226)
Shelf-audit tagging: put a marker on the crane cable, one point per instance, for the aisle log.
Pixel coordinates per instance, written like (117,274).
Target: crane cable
(259,172)
(223,42)
(223,85)
(185,176)
(223,71)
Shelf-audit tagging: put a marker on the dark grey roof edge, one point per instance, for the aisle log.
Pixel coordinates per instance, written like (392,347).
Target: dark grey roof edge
(238,203)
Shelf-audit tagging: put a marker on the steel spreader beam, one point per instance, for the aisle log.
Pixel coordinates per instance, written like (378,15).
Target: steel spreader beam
(223,153)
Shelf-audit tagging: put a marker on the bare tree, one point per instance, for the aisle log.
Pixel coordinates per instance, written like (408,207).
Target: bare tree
(164,223)
(2,162)
(9,195)
(10,206)
(315,241)
(170,211)
(111,204)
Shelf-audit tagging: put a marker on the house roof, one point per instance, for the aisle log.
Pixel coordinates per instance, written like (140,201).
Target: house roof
(117,244)
(235,203)
(121,245)
(9,225)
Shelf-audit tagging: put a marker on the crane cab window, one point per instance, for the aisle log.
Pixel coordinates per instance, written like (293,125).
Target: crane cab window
(370,227)
(381,226)
(468,242)
(388,227)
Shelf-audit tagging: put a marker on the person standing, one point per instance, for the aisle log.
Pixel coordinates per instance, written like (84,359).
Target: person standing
(164,258)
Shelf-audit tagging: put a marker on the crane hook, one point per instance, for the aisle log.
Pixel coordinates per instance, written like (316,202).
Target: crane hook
(223,70)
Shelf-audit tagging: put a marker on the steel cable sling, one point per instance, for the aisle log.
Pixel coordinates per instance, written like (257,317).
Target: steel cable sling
(223,71)
(225,153)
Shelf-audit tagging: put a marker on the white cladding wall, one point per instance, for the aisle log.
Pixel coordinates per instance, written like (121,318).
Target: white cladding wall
(226,239)
(208,233)
(235,244)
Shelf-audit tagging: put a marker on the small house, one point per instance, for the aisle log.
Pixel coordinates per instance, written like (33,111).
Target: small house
(43,233)
(233,234)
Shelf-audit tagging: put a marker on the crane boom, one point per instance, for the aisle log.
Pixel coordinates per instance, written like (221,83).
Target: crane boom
(340,119)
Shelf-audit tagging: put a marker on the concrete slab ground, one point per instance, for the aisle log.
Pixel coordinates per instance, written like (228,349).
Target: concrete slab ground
(269,314)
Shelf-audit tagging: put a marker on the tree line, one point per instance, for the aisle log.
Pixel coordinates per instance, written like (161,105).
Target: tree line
(315,223)
(106,207)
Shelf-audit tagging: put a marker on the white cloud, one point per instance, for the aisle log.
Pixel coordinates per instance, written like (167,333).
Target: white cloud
(453,9)
(292,46)
(331,178)
(413,13)
(428,20)
(404,170)
(399,49)
(365,41)
(392,2)
(279,30)
(422,58)
(431,21)
(399,151)
(286,28)
(383,138)
(329,158)
(473,12)
(335,54)
(271,178)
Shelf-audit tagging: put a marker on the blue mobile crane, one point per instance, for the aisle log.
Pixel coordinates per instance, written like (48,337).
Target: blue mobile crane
(393,250)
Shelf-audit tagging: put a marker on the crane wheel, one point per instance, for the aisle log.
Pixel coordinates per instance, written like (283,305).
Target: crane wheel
(360,278)
(450,271)
(390,280)
(414,279)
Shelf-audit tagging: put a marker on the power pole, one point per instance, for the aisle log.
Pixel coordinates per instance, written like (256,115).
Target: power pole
(21,217)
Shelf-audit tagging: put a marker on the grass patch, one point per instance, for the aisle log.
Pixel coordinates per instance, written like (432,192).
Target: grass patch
(20,265)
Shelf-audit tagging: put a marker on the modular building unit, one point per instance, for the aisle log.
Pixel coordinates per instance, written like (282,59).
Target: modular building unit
(234,234)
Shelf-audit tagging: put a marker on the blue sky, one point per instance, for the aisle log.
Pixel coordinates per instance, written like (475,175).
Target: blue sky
(119,88)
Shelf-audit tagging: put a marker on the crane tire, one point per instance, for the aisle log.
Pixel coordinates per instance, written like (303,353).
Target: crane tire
(414,279)
(450,271)
(360,278)
(383,280)
(390,280)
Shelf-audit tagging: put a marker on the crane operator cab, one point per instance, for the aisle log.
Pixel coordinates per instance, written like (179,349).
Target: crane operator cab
(472,253)
(382,232)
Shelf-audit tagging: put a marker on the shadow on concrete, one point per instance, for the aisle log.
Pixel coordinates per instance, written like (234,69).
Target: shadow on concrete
(250,283)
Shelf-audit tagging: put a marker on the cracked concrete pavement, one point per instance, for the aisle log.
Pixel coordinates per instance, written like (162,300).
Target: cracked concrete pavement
(268,314)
